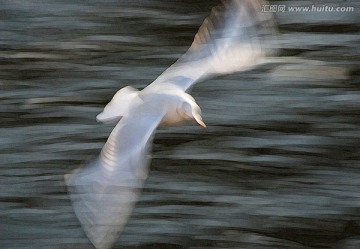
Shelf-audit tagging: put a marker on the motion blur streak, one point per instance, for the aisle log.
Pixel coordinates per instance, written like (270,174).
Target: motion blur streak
(277,166)
(235,37)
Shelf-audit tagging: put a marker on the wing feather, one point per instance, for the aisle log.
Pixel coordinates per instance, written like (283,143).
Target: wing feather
(232,38)
(105,191)
(235,37)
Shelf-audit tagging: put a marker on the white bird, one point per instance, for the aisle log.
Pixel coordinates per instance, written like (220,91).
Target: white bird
(235,37)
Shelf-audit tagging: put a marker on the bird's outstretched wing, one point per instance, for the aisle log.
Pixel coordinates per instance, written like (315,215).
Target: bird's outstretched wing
(235,37)
(105,191)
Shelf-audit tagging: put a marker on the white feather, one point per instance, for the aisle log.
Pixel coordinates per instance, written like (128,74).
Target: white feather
(233,38)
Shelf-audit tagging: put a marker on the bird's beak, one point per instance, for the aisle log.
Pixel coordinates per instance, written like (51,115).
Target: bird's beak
(199,120)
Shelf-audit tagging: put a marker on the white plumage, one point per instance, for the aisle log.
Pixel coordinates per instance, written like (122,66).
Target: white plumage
(235,37)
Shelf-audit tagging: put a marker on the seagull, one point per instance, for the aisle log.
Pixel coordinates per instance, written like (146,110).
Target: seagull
(235,37)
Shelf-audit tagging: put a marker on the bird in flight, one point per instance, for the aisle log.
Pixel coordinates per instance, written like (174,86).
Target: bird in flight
(235,37)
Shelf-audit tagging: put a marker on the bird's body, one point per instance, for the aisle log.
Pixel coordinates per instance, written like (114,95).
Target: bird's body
(105,191)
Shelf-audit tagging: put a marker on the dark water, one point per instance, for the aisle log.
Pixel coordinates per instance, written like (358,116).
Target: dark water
(278,166)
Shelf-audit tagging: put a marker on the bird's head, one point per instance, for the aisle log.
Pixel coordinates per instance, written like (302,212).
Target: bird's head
(191,111)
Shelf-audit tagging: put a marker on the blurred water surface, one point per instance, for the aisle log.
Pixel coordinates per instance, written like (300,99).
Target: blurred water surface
(278,166)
